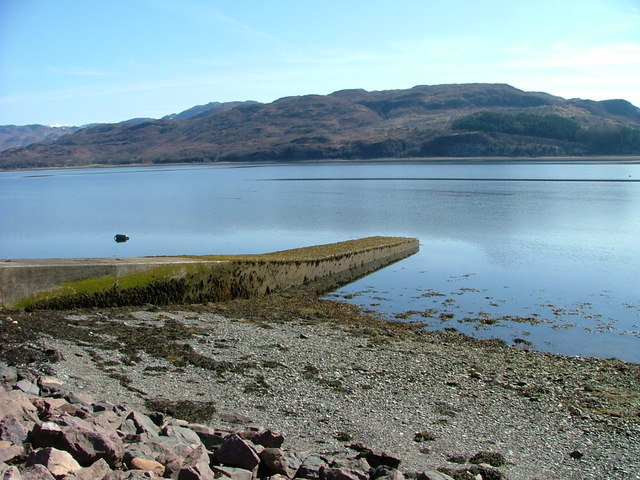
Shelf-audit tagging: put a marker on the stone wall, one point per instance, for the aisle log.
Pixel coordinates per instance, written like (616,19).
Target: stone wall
(165,280)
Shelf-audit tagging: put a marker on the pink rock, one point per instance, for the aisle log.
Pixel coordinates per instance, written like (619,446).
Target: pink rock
(58,462)
(138,463)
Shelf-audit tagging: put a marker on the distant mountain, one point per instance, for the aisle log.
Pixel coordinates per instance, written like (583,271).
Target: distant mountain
(200,110)
(424,121)
(14,136)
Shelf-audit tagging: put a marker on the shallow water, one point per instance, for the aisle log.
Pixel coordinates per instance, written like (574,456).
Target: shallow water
(546,255)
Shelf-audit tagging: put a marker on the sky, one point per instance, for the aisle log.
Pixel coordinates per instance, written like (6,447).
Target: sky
(75,62)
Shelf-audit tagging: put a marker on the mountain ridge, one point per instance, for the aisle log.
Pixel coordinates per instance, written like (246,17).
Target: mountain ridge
(438,120)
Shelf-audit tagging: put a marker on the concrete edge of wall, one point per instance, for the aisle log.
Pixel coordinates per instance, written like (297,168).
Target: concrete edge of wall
(73,283)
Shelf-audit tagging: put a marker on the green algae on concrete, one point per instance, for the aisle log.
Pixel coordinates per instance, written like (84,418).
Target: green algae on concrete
(196,279)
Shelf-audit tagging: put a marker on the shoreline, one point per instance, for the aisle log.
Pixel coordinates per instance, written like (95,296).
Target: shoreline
(576,160)
(322,372)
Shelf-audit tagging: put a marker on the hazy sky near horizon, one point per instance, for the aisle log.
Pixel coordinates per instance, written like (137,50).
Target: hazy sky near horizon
(75,62)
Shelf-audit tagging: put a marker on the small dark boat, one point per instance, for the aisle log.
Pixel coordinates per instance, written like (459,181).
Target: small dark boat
(120,238)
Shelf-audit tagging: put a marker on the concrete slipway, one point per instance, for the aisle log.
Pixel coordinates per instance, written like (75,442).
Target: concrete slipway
(94,282)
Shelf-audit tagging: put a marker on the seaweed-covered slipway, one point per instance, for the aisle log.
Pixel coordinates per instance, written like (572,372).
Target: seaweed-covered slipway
(333,379)
(69,283)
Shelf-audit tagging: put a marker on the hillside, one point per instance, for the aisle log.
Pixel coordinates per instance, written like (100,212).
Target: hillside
(424,121)
(14,136)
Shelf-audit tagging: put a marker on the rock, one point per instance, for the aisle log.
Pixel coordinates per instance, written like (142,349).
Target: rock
(76,398)
(234,417)
(576,454)
(209,437)
(341,474)
(8,374)
(138,463)
(142,423)
(14,430)
(87,441)
(27,387)
(51,386)
(310,468)
(233,473)
(97,471)
(10,452)
(37,472)
(433,475)
(376,459)
(183,434)
(269,439)
(58,462)
(274,462)
(490,458)
(196,466)
(385,473)
(236,452)
(16,404)
(9,472)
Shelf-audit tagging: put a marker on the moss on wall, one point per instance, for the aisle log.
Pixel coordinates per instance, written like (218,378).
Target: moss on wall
(220,278)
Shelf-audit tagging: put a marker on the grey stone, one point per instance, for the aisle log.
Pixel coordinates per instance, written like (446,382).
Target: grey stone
(233,473)
(27,387)
(433,475)
(210,437)
(97,471)
(142,423)
(183,434)
(234,417)
(310,467)
(8,374)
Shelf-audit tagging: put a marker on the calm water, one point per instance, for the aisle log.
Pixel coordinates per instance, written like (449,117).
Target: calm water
(539,254)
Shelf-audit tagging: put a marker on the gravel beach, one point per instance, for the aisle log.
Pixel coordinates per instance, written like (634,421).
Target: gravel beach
(329,376)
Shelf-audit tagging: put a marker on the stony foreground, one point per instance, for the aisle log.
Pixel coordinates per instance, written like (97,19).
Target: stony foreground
(339,388)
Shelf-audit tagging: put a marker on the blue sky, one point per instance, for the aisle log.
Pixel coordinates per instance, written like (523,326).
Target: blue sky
(81,61)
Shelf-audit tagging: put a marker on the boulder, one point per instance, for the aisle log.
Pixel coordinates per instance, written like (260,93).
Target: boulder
(87,441)
(433,475)
(58,462)
(27,387)
(210,437)
(15,430)
(37,472)
(8,374)
(10,452)
(236,452)
(97,471)
(139,463)
(232,472)
(274,462)
(328,473)
(51,387)
(268,438)
(9,472)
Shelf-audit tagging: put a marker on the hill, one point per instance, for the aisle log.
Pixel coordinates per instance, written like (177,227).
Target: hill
(440,120)
(14,136)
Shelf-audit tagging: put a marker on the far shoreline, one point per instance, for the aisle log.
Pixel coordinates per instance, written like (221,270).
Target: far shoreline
(559,160)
